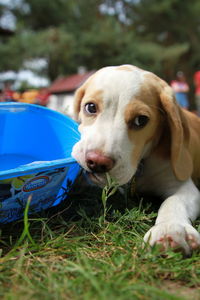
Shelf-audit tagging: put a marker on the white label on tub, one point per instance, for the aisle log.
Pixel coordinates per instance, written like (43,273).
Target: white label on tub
(36,183)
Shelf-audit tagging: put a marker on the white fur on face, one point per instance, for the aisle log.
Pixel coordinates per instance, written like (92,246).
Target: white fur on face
(108,132)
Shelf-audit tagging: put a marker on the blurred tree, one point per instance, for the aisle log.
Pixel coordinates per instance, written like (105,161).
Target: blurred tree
(11,51)
(55,45)
(42,14)
(162,36)
(55,31)
(172,27)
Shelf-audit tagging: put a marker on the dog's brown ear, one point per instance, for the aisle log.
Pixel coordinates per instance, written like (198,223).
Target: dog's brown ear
(77,102)
(180,157)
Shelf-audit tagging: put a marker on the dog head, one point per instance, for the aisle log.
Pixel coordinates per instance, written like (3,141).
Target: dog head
(125,114)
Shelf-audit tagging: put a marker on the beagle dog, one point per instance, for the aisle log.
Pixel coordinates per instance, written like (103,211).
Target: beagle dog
(128,116)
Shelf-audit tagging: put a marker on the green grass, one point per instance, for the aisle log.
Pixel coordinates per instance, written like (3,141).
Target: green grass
(90,247)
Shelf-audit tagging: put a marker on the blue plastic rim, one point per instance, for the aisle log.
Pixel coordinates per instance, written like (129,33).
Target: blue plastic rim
(35,158)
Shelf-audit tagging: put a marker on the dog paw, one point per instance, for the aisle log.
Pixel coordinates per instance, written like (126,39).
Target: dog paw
(180,237)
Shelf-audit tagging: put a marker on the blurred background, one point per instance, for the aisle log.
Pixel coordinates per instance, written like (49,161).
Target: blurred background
(48,48)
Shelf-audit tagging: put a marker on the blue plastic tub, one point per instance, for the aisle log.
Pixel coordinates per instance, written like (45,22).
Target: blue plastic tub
(35,158)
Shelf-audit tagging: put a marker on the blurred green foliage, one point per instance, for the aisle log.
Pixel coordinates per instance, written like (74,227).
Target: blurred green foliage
(161,36)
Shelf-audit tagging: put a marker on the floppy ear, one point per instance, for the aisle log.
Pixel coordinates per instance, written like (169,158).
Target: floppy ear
(180,157)
(77,102)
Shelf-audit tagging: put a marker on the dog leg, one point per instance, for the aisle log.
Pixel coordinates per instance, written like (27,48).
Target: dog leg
(173,227)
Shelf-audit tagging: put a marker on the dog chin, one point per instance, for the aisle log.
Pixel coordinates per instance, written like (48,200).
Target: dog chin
(99,179)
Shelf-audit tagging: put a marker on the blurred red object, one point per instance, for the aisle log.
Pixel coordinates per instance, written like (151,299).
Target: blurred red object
(7,93)
(43,96)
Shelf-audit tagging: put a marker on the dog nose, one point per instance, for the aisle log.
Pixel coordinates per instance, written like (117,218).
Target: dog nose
(98,162)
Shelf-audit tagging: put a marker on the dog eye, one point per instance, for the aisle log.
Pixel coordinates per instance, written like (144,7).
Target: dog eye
(139,122)
(91,108)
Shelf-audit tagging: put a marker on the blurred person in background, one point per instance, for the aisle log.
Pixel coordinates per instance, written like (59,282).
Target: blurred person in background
(181,89)
(197,90)
(7,93)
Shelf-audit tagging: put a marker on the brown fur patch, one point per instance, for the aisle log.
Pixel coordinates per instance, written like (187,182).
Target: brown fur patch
(125,68)
(79,94)
(94,96)
(77,102)
(176,135)
(141,137)
(194,141)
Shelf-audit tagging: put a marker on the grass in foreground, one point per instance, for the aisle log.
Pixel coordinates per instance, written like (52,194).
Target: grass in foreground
(81,254)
